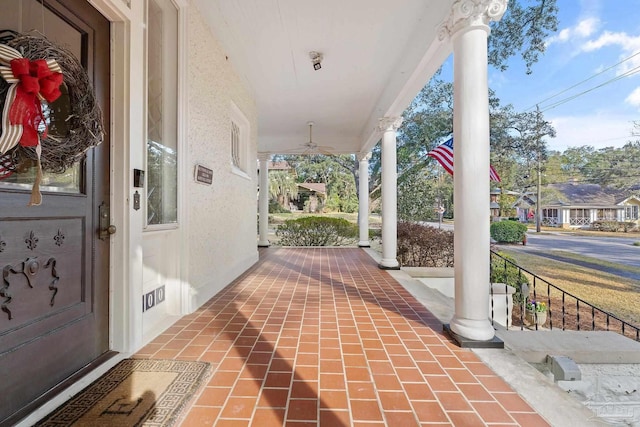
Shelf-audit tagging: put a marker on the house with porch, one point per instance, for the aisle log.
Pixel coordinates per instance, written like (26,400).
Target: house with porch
(157,221)
(573,205)
(311,196)
(494,202)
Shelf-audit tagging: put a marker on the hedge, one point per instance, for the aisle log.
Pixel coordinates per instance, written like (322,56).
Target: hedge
(508,231)
(424,246)
(317,231)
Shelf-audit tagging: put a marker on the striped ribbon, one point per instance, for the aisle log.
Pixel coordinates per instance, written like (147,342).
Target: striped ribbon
(12,134)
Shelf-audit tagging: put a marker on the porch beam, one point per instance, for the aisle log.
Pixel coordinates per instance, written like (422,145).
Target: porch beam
(468,28)
(389,126)
(263,201)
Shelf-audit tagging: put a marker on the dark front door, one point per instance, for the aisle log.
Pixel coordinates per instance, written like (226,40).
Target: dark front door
(54,295)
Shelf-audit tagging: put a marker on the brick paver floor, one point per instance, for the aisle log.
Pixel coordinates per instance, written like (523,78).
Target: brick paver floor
(323,337)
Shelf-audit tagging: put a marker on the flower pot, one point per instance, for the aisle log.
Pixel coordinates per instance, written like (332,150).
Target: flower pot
(533,317)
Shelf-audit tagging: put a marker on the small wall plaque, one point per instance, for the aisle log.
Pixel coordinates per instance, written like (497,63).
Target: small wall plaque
(204,175)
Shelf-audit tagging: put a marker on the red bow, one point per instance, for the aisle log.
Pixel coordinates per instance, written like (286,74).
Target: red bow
(36,81)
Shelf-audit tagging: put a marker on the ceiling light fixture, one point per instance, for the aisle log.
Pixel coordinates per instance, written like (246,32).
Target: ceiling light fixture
(316,59)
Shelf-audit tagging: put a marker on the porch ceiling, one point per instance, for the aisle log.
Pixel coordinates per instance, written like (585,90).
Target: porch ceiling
(377,56)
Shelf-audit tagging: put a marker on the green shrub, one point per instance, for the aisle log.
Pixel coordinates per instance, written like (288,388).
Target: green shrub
(375,233)
(424,246)
(275,207)
(612,226)
(317,231)
(502,271)
(605,225)
(508,231)
(636,243)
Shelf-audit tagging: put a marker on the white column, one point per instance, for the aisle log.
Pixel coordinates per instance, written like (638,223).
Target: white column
(263,201)
(363,199)
(389,125)
(468,28)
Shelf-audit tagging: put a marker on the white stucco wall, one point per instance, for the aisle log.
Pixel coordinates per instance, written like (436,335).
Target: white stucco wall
(221,218)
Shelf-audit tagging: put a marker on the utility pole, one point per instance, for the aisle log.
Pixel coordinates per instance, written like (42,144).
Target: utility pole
(538,196)
(538,192)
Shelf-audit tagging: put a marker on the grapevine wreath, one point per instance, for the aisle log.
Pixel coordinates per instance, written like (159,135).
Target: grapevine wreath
(50,117)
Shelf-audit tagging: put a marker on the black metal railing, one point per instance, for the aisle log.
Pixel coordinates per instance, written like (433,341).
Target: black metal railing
(563,310)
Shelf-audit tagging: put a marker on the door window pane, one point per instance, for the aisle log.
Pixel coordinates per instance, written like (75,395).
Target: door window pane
(19,171)
(162,155)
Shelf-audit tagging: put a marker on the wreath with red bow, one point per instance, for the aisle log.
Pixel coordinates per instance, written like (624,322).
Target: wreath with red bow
(50,116)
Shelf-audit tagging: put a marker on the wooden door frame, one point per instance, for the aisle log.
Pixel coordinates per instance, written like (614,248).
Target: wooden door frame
(128,123)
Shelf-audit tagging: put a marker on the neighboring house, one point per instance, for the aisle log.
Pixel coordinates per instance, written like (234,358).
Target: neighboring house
(311,196)
(579,205)
(525,206)
(494,202)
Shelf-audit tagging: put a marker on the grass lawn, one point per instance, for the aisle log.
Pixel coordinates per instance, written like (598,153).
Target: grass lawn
(584,232)
(617,295)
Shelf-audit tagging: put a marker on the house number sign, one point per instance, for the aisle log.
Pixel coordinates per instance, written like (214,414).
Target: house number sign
(204,175)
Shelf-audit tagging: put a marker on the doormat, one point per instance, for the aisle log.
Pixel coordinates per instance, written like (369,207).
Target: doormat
(135,392)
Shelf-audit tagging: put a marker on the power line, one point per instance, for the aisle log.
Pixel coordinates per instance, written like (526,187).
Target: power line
(570,98)
(583,81)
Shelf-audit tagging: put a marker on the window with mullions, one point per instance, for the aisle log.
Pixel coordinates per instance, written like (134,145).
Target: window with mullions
(235,145)
(631,212)
(239,139)
(162,90)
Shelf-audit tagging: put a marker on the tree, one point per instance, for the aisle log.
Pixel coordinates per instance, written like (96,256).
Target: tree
(616,167)
(518,142)
(339,173)
(523,29)
(518,145)
(282,187)
(427,122)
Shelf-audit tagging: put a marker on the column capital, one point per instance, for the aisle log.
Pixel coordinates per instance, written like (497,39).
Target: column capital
(364,156)
(389,123)
(264,157)
(466,14)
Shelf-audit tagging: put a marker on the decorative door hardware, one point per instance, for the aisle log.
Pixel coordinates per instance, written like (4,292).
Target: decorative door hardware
(30,269)
(106,229)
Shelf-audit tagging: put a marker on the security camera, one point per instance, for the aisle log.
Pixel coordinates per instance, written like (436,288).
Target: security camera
(316,59)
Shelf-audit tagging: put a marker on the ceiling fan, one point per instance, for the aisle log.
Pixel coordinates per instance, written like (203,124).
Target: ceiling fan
(311,148)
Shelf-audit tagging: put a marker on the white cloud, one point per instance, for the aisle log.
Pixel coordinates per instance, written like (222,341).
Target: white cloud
(583,29)
(634,98)
(628,44)
(563,35)
(596,130)
(623,40)
(586,27)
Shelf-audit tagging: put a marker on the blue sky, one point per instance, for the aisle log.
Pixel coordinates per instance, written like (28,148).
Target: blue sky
(593,36)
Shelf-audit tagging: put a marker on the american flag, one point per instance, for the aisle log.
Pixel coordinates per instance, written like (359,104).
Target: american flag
(443,153)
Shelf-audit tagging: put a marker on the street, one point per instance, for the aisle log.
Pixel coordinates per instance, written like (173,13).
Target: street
(618,250)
